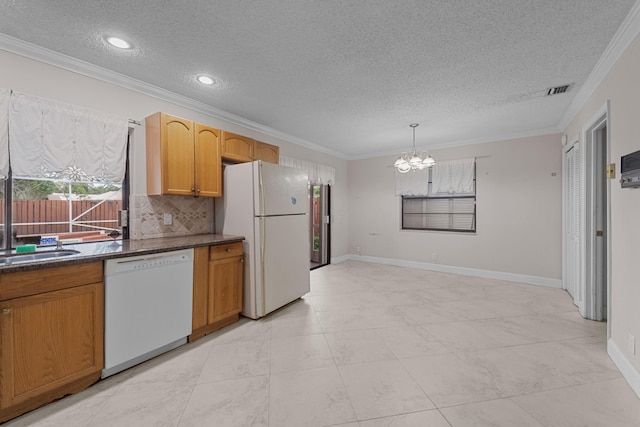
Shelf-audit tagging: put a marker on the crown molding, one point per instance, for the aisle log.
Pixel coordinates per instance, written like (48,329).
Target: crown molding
(625,35)
(60,60)
(483,140)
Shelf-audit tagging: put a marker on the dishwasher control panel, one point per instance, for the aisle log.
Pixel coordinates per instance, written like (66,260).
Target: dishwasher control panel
(121,265)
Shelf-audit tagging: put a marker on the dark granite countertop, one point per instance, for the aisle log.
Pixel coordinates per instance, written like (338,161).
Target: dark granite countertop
(99,251)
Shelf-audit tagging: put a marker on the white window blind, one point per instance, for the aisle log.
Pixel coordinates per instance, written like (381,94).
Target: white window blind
(450,213)
(4,132)
(318,173)
(450,204)
(55,140)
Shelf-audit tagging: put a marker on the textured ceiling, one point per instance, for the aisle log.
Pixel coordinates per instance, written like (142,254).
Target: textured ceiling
(347,75)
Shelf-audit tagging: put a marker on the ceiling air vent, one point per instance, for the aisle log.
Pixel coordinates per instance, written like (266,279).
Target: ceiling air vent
(559,89)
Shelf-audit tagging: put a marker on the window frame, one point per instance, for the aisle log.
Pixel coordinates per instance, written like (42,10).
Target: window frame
(8,203)
(442,196)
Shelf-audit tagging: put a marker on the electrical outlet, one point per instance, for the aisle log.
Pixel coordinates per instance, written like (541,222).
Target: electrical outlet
(358,249)
(434,257)
(632,344)
(168,219)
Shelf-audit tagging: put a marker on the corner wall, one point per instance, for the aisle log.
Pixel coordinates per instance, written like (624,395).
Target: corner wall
(519,214)
(621,87)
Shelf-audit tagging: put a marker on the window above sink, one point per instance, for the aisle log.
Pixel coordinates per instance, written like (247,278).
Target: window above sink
(45,212)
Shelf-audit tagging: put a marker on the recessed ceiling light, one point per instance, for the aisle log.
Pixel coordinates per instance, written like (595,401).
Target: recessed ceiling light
(118,42)
(205,80)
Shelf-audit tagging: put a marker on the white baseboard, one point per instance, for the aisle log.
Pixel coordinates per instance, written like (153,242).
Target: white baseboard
(341,258)
(626,368)
(488,274)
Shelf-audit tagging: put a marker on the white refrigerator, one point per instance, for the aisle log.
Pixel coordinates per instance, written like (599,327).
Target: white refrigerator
(268,204)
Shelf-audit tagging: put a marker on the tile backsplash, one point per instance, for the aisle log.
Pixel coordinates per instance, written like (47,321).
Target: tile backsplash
(190,215)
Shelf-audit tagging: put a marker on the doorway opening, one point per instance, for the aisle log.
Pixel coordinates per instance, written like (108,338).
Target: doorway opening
(596,220)
(586,211)
(319,208)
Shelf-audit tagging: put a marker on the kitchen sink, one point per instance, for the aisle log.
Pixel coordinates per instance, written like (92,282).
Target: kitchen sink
(36,256)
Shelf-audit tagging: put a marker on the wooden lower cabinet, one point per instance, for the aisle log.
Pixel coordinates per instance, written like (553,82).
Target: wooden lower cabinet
(217,287)
(51,343)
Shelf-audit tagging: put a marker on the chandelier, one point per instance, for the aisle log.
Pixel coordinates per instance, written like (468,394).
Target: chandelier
(413,161)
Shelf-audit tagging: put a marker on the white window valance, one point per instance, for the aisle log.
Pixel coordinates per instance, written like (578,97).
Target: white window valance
(318,173)
(412,183)
(4,132)
(54,140)
(453,176)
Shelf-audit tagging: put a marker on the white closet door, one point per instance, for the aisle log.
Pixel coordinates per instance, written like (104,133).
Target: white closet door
(573,226)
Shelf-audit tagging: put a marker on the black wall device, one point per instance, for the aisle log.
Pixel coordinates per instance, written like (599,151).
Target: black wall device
(630,170)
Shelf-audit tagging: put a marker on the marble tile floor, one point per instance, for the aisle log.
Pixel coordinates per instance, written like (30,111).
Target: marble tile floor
(372,346)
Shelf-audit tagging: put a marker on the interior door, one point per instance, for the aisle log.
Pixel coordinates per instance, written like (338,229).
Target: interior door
(600,196)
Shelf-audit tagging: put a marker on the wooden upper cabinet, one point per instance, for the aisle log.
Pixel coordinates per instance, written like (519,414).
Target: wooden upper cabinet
(237,148)
(177,163)
(266,152)
(183,157)
(208,172)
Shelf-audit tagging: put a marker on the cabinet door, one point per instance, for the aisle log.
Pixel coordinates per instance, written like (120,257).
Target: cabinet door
(267,152)
(208,165)
(225,288)
(49,340)
(236,147)
(200,286)
(177,147)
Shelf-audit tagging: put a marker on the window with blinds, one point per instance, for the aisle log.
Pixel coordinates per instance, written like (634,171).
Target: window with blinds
(440,211)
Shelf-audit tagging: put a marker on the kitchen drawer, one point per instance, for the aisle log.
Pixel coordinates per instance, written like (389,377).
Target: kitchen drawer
(32,282)
(225,251)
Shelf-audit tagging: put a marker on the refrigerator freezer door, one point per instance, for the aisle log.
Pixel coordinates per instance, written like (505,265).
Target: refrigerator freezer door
(283,251)
(280,190)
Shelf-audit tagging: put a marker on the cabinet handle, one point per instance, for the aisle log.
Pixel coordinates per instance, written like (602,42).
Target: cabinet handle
(6,311)
(228,249)
(193,190)
(197,190)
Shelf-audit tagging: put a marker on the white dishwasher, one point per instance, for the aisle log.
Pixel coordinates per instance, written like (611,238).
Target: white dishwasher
(148,306)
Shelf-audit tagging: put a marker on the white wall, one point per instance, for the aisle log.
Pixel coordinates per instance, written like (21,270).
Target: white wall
(37,78)
(622,88)
(518,212)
